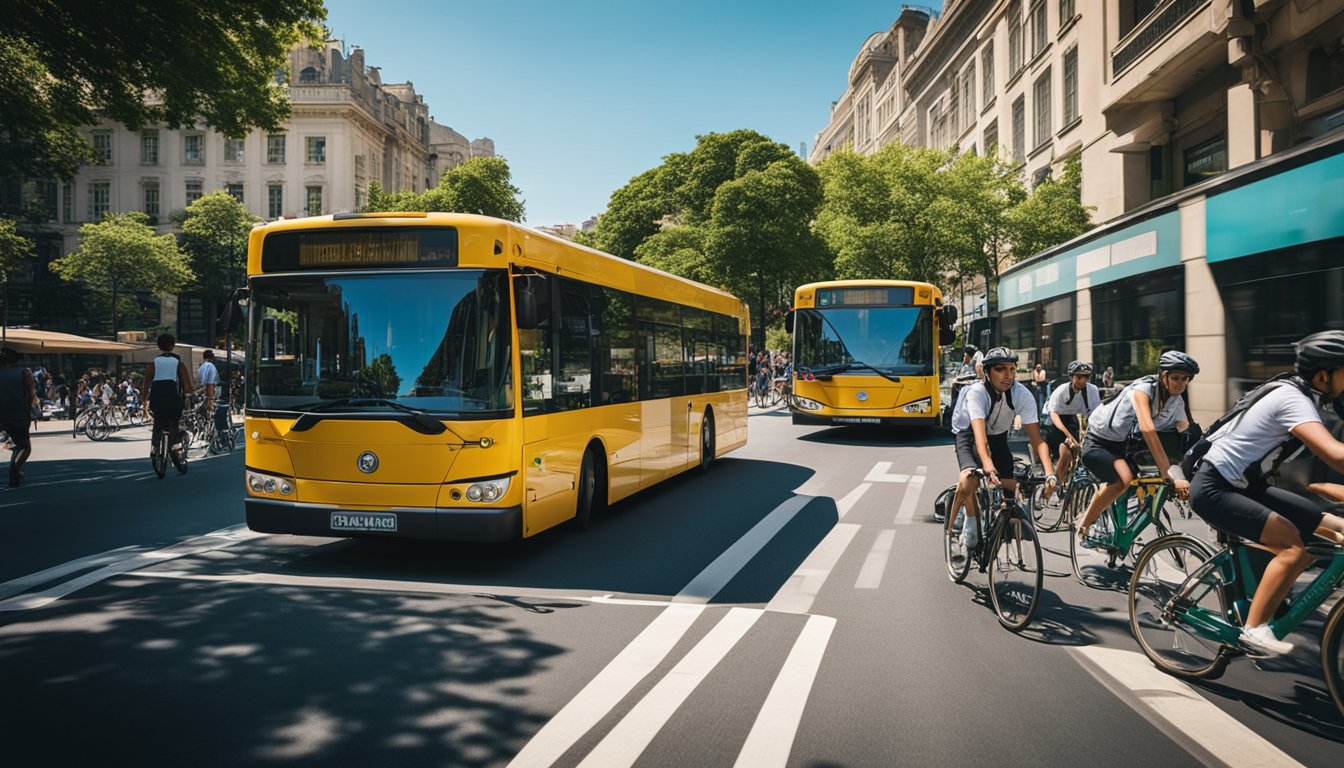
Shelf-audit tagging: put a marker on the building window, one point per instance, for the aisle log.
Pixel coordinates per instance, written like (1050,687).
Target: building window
(987,73)
(100,199)
(275,200)
(233,151)
(1134,318)
(1039,28)
(1066,12)
(968,97)
(314,201)
(1020,129)
(1014,39)
(308,75)
(192,149)
(150,193)
(315,151)
(1132,12)
(102,147)
(1042,105)
(1205,161)
(149,147)
(67,203)
(194,191)
(236,190)
(275,150)
(992,139)
(1071,86)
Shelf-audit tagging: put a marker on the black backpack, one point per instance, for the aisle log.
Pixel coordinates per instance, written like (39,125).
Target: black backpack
(1285,450)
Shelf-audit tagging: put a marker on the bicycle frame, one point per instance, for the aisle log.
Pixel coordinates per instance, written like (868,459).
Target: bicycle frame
(1127,528)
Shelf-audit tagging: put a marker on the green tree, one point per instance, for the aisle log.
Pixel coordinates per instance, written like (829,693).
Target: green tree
(1053,214)
(679,250)
(122,252)
(66,63)
(480,185)
(15,249)
(215,231)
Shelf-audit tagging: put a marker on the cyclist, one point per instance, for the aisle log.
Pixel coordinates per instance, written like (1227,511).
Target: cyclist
(1147,405)
(1063,411)
(169,385)
(980,421)
(1231,492)
(208,375)
(972,362)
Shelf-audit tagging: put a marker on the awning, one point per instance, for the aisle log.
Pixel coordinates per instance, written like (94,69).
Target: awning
(36,342)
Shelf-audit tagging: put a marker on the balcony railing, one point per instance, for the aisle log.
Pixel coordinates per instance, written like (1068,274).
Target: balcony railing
(1152,31)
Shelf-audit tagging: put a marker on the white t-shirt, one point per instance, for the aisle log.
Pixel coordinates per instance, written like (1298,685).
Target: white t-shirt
(968,368)
(1084,402)
(208,374)
(974,402)
(1261,429)
(105,392)
(1117,419)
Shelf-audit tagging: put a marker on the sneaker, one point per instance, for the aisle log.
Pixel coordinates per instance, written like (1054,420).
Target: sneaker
(970,534)
(1261,639)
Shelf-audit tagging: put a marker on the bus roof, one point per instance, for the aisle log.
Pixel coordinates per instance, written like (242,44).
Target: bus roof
(865,283)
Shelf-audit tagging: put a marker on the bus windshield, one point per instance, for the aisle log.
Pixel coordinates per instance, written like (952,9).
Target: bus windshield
(894,341)
(434,341)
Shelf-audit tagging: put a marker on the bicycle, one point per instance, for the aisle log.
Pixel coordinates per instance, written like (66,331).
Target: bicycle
(1008,549)
(161,451)
(1070,500)
(1117,529)
(1187,605)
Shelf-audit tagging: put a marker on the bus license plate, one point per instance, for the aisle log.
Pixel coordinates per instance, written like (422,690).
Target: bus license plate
(377,522)
(855,420)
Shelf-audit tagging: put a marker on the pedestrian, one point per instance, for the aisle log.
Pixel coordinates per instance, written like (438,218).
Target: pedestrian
(18,394)
(208,376)
(1038,385)
(1108,378)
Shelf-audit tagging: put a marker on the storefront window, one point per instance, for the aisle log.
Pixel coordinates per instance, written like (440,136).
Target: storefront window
(1042,333)
(1135,318)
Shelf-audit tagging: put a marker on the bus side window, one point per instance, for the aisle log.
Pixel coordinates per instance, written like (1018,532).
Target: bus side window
(574,387)
(536,348)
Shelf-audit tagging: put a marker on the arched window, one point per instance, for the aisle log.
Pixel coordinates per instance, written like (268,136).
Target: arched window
(308,75)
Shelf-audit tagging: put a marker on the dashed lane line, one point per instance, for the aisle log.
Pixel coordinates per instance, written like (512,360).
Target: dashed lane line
(707,584)
(906,514)
(870,577)
(802,587)
(772,735)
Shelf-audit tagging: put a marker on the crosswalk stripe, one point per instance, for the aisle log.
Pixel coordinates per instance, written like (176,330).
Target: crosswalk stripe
(632,735)
(870,577)
(801,589)
(776,726)
(843,506)
(708,582)
(1178,710)
(906,514)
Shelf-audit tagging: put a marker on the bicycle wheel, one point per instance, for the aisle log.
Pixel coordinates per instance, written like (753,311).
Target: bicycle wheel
(158,454)
(1015,572)
(955,554)
(1163,593)
(97,427)
(1332,654)
(179,458)
(1093,560)
(1053,516)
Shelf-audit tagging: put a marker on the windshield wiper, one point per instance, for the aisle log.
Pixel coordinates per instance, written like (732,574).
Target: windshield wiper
(431,425)
(840,368)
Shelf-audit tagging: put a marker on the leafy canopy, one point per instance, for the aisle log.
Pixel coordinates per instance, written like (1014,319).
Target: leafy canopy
(65,63)
(214,238)
(14,247)
(480,185)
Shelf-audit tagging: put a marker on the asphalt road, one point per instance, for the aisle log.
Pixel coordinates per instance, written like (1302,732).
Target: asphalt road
(787,607)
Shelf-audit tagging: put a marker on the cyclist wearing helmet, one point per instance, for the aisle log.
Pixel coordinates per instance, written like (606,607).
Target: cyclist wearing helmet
(1147,405)
(971,362)
(983,415)
(1063,412)
(1231,493)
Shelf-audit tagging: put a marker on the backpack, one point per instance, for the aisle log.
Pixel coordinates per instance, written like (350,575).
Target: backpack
(1074,393)
(1285,450)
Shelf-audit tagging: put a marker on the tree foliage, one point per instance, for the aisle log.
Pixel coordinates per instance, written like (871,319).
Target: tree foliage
(1053,214)
(121,253)
(65,63)
(480,185)
(214,237)
(14,248)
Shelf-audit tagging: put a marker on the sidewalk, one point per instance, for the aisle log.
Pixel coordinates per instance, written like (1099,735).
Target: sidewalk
(53,441)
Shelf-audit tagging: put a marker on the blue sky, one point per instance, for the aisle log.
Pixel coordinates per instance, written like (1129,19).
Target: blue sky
(580,96)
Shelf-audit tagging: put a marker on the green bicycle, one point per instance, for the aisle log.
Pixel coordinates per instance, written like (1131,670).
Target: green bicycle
(1187,604)
(1116,530)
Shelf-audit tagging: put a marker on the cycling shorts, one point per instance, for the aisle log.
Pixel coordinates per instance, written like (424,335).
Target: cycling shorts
(1243,512)
(999,452)
(18,432)
(1099,457)
(1055,438)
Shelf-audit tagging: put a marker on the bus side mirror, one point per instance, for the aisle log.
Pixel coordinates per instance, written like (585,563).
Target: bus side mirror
(528,303)
(947,320)
(233,310)
(788,321)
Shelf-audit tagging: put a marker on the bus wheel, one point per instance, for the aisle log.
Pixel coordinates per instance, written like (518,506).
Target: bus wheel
(587,495)
(706,440)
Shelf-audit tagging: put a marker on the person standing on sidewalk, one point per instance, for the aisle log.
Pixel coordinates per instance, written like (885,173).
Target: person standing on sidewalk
(17,396)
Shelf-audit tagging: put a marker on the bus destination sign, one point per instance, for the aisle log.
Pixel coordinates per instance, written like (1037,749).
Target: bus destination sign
(356,248)
(866,297)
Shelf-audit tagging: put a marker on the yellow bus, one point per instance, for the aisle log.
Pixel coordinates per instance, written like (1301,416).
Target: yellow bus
(866,352)
(458,377)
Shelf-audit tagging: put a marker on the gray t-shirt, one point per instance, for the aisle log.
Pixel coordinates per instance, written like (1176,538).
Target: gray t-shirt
(1261,429)
(1117,419)
(974,402)
(1067,402)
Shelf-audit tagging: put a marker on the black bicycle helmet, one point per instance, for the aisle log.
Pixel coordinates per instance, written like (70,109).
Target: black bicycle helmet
(970,349)
(1322,351)
(1079,368)
(1178,361)
(999,356)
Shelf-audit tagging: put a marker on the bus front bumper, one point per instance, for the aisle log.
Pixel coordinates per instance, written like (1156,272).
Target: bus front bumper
(888,421)
(435,523)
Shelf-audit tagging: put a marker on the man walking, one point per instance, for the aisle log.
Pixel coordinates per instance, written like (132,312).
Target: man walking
(18,394)
(208,376)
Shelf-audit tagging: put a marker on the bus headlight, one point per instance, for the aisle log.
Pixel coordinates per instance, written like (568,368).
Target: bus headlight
(488,490)
(806,405)
(919,406)
(268,485)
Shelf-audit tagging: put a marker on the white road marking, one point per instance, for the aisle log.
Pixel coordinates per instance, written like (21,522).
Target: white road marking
(632,735)
(1178,710)
(870,577)
(707,584)
(843,506)
(605,691)
(879,474)
(906,514)
(130,560)
(771,737)
(801,589)
(24,583)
